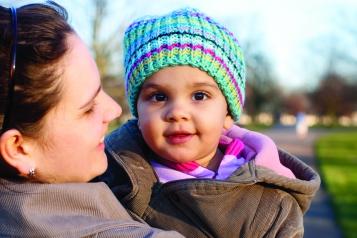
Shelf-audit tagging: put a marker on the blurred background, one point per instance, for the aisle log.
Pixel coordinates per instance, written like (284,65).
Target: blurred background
(301,55)
(301,59)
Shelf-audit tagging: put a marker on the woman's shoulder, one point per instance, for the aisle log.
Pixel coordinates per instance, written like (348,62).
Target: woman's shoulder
(37,207)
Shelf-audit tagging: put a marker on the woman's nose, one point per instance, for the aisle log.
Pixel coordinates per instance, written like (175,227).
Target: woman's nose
(113,110)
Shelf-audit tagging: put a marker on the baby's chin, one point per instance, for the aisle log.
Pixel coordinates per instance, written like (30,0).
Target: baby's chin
(179,158)
(187,157)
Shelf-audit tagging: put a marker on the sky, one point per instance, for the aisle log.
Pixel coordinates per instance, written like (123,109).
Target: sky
(298,36)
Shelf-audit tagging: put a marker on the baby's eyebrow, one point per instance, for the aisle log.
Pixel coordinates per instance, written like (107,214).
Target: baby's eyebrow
(153,85)
(205,84)
(150,85)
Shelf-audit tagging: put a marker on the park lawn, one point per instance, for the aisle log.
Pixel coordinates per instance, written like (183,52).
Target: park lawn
(337,158)
(255,127)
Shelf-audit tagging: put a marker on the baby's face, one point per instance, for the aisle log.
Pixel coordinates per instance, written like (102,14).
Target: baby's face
(182,113)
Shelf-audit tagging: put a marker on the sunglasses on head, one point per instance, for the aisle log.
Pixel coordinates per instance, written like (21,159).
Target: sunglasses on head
(11,78)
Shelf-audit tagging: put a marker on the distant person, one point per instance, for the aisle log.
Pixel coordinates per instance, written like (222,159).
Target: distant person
(185,82)
(301,125)
(53,118)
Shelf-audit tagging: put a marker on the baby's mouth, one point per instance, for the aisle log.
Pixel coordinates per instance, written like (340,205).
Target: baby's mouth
(178,137)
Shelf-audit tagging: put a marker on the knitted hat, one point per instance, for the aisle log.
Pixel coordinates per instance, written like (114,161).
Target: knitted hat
(184,37)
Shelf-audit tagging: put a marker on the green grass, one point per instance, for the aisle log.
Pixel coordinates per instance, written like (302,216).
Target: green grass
(337,157)
(256,127)
(334,126)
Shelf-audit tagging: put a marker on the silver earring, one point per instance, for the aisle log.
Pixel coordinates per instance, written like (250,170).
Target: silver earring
(32,172)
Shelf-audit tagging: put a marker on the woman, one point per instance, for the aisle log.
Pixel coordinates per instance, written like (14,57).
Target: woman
(50,96)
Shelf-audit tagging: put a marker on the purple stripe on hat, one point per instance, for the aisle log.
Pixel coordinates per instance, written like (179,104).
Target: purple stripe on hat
(197,15)
(194,47)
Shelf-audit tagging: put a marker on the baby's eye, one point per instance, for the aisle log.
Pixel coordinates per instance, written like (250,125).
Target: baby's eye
(197,96)
(158,97)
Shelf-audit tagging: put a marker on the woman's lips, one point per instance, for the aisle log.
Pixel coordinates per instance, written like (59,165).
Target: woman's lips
(178,138)
(101,146)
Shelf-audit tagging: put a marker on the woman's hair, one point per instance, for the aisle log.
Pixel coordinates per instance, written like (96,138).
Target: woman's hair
(42,31)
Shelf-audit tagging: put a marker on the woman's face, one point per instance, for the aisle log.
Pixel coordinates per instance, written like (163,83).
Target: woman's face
(74,130)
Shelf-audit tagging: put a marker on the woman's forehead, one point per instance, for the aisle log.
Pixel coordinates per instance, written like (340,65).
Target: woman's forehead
(80,77)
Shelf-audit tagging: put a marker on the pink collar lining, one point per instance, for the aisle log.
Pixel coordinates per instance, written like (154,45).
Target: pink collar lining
(169,171)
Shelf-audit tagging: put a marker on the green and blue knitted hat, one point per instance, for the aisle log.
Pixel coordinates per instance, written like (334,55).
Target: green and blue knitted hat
(184,37)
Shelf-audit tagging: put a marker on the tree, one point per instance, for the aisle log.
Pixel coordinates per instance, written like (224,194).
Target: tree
(106,46)
(334,97)
(262,92)
(334,50)
(296,102)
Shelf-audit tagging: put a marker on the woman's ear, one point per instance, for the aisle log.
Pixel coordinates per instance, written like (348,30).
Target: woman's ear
(228,122)
(15,152)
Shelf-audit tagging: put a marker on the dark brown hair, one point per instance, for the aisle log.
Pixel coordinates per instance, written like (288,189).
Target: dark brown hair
(42,32)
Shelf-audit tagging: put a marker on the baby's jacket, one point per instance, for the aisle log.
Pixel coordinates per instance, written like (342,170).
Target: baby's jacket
(253,202)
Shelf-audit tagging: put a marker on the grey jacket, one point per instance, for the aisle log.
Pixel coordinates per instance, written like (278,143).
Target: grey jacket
(253,202)
(67,210)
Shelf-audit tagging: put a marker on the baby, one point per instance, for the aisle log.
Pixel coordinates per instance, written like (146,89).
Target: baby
(185,82)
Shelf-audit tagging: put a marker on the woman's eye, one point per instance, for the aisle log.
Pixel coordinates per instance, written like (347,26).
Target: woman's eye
(90,110)
(158,97)
(199,96)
